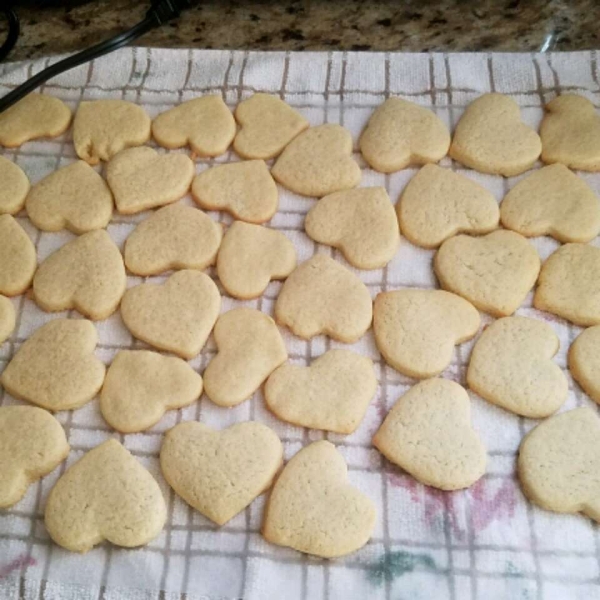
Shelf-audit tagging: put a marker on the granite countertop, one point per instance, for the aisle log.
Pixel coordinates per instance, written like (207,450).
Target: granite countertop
(409,25)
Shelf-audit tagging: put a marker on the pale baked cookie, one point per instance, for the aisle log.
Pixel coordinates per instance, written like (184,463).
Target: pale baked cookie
(250,348)
(570,133)
(102,128)
(140,386)
(35,116)
(17,257)
(74,197)
(416,330)
(313,508)
(7,318)
(428,433)
(32,443)
(251,256)
(177,315)
(559,462)
(490,137)
(267,126)
(174,237)
(400,133)
(494,272)
(86,274)
(361,223)
(206,124)
(56,367)
(568,284)
(318,162)
(511,366)
(438,203)
(219,473)
(322,296)
(106,495)
(244,189)
(584,361)
(141,178)
(15,186)
(332,394)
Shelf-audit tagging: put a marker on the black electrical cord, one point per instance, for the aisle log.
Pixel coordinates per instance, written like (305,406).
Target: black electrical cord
(160,12)
(14,28)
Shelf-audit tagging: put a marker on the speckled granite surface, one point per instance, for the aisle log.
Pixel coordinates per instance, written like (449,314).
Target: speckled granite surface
(410,25)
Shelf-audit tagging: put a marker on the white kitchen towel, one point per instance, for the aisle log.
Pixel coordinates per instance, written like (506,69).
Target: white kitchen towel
(484,542)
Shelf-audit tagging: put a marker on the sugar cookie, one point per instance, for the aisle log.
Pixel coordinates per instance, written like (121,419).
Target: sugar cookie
(174,237)
(314,509)
(570,133)
(102,128)
(177,315)
(360,222)
(584,361)
(245,189)
(251,256)
(322,296)
(15,186)
(511,366)
(400,133)
(438,203)
(7,318)
(559,462)
(318,162)
(140,386)
(494,272)
(416,330)
(32,444)
(428,433)
(219,473)
(105,495)
(206,124)
(56,367)
(333,393)
(17,257)
(490,137)
(267,126)
(250,348)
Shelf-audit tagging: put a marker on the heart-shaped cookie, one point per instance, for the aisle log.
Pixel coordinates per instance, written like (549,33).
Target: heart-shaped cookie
(74,197)
(570,133)
(86,274)
(17,257)
(314,509)
(105,495)
(15,186)
(568,284)
(7,318)
(552,201)
(428,433)
(177,315)
(490,137)
(250,349)
(584,361)
(559,462)
(35,116)
(32,443)
(361,223)
(174,237)
(244,189)
(400,133)
(267,126)
(416,330)
(141,178)
(140,386)
(102,128)
(251,256)
(206,124)
(318,162)
(494,272)
(322,296)
(438,203)
(332,394)
(219,473)
(56,367)
(511,366)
